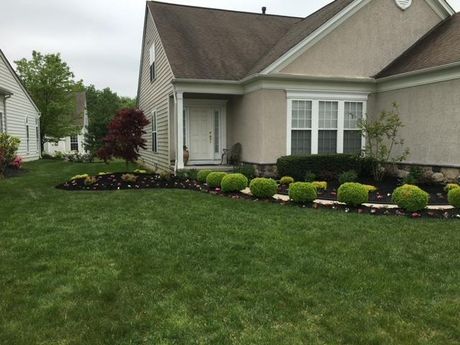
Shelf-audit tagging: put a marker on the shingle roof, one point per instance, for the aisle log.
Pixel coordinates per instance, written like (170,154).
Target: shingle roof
(203,43)
(439,47)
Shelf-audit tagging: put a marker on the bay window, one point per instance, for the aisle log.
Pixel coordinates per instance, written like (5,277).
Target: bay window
(325,123)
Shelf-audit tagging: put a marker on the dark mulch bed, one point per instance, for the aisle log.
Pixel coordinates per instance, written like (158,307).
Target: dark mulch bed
(13,172)
(150,181)
(385,188)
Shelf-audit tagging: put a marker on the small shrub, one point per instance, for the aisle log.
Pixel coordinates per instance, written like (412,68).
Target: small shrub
(451,186)
(454,197)
(187,174)
(247,170)
(348,176)
(263,187)
(130,178)
(353,194)
(16,163)
(214,179)
(90,180)
(203,175)
(320,185)
(8,148)
(302,192)
(286,180)
(410,198)
(310,177)
(234,183)
(79,177)
(370,188)
(415,176)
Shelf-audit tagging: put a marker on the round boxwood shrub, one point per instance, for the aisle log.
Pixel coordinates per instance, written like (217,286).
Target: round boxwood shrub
(353,194)
(234,183)
(320,185)
(410,198)
(302,192)
(454,197)
(214,179)
(203,175)
(286,180)
(263,187)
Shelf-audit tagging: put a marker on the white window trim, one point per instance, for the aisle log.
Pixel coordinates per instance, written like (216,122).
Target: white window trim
(154,124)
(315,98)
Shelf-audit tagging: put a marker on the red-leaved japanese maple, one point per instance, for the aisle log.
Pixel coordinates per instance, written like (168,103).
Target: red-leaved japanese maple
(125,136)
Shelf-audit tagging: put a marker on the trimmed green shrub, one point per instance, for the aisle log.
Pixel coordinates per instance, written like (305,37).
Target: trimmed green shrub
(451,186)
(202,175)
(325,167)
(263,187)
(214,179)
(310,177)
(353,194)
(454,197)
(247,170)
(348,176)
(234,183)
(410,198)
(302,192)
(286,180)
(320,185)
(371,188)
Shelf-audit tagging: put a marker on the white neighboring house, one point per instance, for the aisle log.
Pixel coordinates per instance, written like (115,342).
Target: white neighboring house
(19,116)
(73,143)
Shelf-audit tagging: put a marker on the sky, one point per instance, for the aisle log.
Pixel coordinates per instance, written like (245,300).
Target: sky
(101,39)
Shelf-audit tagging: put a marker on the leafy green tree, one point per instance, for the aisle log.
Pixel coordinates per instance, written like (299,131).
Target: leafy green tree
(102,106)
(382,137)
(51,83)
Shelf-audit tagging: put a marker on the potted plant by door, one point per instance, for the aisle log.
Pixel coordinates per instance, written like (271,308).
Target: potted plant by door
(186,155)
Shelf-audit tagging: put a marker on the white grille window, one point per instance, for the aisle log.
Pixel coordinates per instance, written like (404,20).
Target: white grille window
(301,127)
(154,132)
(152,58)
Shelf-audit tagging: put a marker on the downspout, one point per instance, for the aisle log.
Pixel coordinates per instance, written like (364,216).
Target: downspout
(4,112)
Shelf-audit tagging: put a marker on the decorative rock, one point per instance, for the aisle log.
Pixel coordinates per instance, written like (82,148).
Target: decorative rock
(438,178)
(402,173)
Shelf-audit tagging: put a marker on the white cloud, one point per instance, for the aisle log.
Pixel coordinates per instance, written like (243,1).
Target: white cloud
(101,39)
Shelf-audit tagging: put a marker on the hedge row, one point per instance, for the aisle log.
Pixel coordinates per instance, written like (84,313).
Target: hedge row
(325,167)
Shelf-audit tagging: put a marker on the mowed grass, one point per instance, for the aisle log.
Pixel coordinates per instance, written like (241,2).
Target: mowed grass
(182,267)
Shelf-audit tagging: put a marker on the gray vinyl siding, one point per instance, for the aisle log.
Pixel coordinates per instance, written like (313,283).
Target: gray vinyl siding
(18,108)
(155,96)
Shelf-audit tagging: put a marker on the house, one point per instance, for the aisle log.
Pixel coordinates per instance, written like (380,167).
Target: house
(73,143)
(280,85)
(19,116)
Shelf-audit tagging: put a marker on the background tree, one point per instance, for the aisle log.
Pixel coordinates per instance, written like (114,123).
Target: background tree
(382,138)
(51,83)
(125,136)
(102,106)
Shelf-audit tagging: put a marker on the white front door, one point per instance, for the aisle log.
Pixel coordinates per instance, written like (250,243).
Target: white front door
(201,134)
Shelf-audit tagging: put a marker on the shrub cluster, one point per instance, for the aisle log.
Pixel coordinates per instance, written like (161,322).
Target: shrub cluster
(302,192)
(263,187)
(454,197)
(451,186)
(325,167)
(410,198)
(214,179)
(286,180)
(353,194)
(234,183)
(202,175)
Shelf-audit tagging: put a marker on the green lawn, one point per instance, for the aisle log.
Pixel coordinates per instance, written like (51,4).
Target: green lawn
(182,267)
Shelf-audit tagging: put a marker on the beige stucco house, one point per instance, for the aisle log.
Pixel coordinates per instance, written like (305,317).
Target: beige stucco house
(19,116)
(279,85)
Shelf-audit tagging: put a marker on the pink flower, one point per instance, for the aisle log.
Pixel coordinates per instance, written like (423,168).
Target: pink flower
(17,162)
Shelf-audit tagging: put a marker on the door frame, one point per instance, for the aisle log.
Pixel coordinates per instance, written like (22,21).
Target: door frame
(214,105)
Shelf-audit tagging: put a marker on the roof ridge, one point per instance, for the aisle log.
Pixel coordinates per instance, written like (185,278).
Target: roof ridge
(226,10)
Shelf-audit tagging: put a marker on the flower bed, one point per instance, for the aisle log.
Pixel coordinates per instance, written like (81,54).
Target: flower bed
(137,181)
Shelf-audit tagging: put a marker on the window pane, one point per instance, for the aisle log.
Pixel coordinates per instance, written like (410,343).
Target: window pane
(301,114)
(353,113)
(216,132)
(352,142)
(300,142)
(73,143)
(327,142)
(28,138)
(328,114)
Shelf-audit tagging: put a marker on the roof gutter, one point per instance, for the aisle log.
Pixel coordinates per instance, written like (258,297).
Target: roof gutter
(419,72)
